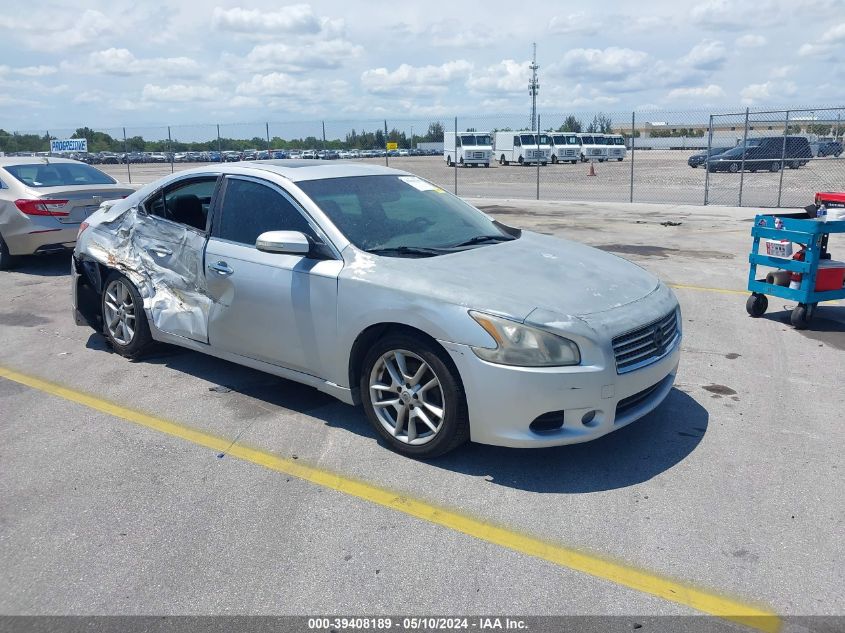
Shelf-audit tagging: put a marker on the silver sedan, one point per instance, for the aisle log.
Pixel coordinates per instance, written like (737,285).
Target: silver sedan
(382,289)
(44,200)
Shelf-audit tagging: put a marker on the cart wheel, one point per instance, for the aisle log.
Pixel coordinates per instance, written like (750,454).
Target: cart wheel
(757,305)
(800,317)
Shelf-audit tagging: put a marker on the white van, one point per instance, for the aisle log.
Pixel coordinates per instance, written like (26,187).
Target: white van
(566,147)
(593,147)
(467,148)
(615,146)
(522,148)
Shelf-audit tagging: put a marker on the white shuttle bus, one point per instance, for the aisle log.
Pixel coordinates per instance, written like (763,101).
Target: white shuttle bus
(566,147)
(592,147)
(467,148)
(615,146)
(522,148)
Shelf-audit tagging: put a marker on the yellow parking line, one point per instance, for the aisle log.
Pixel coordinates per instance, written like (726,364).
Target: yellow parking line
(621,574)
(705,289)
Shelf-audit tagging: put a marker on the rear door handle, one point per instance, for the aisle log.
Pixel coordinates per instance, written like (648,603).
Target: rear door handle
(221,268)
(161,251)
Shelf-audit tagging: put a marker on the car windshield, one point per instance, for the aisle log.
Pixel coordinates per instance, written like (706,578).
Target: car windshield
(477,139)
(736,151)
(394,212)
(58,174)
(587,140)
(528,139)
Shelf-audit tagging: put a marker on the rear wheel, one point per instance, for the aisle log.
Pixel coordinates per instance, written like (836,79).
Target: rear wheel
(775,166)
(124,321)
(733,168)
(554,160)
(502,160)
(448,161)
(7,261)
(413,396)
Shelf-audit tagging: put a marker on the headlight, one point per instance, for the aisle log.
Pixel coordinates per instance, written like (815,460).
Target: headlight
(522,345)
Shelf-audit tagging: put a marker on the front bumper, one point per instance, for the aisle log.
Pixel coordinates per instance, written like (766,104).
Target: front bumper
(503,401)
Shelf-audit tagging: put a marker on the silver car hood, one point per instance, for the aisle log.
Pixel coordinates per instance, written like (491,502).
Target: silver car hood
(514,278)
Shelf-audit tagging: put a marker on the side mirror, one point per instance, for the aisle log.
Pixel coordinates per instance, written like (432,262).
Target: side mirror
(286,242)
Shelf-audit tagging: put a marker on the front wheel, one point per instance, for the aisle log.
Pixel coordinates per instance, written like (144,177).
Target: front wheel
(124,321)
(733,168)
(413,396)
(448,161)
(502,160)
(554,160)
(775,166)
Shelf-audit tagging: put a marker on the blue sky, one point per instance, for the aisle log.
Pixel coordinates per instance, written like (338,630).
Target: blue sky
(182,62)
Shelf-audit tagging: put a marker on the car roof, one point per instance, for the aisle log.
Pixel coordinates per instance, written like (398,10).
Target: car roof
(30,160)
(301,170)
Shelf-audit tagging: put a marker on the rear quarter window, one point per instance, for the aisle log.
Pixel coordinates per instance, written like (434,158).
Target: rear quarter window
(58,175)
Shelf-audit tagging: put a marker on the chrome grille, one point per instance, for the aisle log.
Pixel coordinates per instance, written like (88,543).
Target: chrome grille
(645,345)
(477,155)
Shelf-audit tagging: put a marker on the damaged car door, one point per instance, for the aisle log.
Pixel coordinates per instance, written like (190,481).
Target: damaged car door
(170,240)
(279,308)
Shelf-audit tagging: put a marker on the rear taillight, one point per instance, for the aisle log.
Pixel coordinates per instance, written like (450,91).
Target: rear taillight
(82,227)
(42,207)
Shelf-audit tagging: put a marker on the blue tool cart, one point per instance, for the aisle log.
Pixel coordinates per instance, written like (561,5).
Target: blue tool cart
(800,229)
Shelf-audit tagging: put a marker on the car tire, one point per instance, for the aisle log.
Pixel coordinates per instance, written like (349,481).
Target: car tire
(774,167)
(7,260)
(618,160)
(554,160)
(521,160)
(426,415)
(121,306)
(448,161)
(502,160)
(733,168)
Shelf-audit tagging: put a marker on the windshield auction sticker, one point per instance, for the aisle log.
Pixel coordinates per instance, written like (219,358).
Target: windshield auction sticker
(420,184)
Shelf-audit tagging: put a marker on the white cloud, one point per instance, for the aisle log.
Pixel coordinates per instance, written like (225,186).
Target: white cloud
(770,90)
(297,89)
(178,93)
(574,24)
(750,40)
(120,61)
(507,76)
(728,15)
(830,40)
(277,56)
(407,78)
(58,32)
(36,71)
(295,18)
(603,64)
(706,55)
(781,71)
(702,92)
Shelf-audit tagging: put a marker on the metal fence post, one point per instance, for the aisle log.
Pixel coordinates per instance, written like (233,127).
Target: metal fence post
(633,144)
(783,156)
(48,140)
(707,158)
(324,135)
(267,130)
(455,162)
(170,148)
(538,156)
(126,157)
(219,147)
(742,164)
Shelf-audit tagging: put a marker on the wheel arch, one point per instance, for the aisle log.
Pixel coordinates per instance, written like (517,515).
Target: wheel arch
(371,334)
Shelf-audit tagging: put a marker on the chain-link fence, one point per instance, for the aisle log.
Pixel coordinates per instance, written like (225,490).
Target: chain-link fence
(760,158)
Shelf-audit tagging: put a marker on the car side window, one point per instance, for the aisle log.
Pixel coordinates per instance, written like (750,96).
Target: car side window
(250,208)
(184,202)
(516,142)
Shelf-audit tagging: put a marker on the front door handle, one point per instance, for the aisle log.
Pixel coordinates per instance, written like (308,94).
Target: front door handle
(221,268)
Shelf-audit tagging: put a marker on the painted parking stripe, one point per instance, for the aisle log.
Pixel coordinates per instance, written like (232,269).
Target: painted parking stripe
(640,580)
(705,289)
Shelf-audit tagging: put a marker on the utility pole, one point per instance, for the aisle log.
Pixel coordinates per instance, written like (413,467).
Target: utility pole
(534,88)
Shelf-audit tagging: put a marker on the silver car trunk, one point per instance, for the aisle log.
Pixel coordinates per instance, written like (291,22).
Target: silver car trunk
(82,201)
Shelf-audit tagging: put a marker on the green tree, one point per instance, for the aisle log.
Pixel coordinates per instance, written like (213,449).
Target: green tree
(570,124)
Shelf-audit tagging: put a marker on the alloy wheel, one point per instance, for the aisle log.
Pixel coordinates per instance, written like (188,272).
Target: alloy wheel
(407,397)
(119,309)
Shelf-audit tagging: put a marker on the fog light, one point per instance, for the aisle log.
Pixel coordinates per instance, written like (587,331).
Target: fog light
(588,419)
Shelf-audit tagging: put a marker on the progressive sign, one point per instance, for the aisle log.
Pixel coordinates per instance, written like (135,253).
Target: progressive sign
(57,146)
